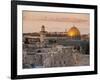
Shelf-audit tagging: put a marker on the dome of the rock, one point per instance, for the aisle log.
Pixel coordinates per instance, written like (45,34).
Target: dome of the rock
(74,32)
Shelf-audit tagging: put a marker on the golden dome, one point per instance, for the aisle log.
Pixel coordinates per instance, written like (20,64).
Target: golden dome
(73,32)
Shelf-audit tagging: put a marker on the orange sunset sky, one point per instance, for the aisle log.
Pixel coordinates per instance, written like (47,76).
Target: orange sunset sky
(55,22)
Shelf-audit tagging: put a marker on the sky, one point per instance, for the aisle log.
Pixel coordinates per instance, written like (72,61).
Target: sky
(55,21)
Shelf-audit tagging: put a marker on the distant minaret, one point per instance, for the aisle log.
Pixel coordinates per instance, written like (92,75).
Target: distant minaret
(43,28)
(65,30)
(42,34)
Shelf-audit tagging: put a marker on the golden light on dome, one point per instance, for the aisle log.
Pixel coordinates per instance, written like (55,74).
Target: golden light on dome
(73,32)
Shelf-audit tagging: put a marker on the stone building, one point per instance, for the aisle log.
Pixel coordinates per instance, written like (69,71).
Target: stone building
(52,49)
(44,37)
(56,56)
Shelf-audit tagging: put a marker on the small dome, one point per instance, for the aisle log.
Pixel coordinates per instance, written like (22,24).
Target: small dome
(73,32)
